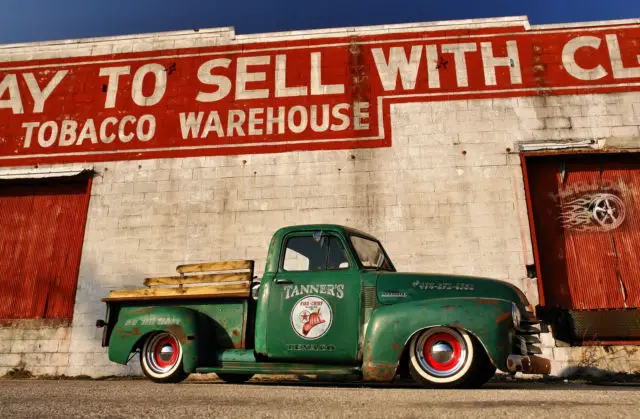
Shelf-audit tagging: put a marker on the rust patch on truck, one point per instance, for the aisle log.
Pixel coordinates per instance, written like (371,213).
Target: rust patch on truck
(503,317)
(143,310)
(383,371)
(238,344)
(178,333)
(125,333)
(487,301)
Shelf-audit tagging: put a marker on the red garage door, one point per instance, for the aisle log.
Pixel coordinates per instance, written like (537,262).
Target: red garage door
(41,232)
(586,213)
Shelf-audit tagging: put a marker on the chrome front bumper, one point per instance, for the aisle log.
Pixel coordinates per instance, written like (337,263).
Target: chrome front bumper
(524,356)
(528,364)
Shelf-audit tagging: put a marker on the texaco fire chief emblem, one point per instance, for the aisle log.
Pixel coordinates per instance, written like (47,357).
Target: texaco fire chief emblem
(311,317)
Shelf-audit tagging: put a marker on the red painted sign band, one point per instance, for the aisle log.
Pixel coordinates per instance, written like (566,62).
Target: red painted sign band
(295,95)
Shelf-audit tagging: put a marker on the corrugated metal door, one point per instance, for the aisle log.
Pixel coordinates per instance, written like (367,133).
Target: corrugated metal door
(543,178)
(587,223)
(623,175)
(590,257)
(41,232)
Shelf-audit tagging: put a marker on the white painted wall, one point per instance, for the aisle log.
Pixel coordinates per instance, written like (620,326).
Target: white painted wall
(435,208)
(446,197)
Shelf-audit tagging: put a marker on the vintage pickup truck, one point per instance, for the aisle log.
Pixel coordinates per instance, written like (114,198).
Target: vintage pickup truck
(330,302)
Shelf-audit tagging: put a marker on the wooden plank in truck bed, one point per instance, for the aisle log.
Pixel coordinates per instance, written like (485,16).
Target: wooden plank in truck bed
(209,291)
(231,265)
(197,279)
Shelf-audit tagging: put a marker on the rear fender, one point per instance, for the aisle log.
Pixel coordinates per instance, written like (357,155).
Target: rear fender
(134,324)
(391,328)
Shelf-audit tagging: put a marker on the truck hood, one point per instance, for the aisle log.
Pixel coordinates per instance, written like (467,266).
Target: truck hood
(399,287)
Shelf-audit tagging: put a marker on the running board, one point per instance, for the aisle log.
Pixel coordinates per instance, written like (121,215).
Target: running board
(279,368)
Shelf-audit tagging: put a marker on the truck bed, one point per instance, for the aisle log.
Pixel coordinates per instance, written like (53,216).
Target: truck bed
(236,284)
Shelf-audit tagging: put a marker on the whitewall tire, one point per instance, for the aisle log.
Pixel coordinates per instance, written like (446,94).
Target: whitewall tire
(441,357)
(161,358)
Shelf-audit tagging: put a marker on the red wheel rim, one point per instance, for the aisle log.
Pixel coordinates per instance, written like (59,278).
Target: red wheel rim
(446,339)
(161,357)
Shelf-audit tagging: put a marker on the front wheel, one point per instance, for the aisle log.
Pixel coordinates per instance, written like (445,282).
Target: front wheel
(444,357)
(161,358)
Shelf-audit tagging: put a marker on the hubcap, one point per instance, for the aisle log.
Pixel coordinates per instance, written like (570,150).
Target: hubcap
(441,352)
(161,353)
(166,354)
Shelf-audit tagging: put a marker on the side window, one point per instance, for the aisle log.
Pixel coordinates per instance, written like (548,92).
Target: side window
(314,253)
(305,253)
(337,258)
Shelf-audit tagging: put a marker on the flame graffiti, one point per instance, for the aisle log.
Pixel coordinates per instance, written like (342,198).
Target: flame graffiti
(593,212)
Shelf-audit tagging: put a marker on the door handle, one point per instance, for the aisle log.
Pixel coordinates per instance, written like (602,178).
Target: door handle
(284,281)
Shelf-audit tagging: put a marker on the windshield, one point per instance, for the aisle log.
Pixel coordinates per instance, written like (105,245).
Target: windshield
(371,254)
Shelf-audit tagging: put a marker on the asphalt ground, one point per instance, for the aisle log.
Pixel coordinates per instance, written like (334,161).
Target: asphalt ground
(133,398)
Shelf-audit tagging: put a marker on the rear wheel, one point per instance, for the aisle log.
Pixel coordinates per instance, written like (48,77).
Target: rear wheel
(444,357)
(234,378)
(161,358)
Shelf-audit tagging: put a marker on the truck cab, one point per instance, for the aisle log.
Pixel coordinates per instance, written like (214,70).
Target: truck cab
(330,301)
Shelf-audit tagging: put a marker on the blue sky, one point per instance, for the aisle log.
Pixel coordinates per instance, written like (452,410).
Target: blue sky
(39,20)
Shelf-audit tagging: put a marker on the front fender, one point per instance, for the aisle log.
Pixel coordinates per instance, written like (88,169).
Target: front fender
(135,323)
(391,327)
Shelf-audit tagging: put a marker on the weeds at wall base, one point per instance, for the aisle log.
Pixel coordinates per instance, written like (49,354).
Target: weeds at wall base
(18,373)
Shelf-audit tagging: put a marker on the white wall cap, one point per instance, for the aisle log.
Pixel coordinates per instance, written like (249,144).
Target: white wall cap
(43,172)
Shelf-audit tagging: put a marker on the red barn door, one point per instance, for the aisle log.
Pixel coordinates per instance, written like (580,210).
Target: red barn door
(42,226)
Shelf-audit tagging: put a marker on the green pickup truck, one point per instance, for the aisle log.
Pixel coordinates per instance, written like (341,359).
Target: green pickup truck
(330,302)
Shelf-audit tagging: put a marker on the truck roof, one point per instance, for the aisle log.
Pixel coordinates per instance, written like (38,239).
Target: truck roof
(345,230)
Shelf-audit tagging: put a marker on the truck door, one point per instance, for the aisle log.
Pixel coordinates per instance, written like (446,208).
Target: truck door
(314,303)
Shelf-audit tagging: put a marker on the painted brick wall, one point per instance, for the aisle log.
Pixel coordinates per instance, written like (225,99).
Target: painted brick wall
(446,197)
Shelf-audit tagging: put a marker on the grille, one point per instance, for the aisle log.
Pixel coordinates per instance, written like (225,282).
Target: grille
(369,297)
(526,339)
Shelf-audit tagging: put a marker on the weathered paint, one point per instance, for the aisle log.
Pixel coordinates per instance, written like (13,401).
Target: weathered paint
(625,172)
(575,250)
(399,322)
(373,338)
(210,326)
(156,104)
(585,216)
(42,224)
(341,300)
(401,287)
(271,270)
(380,371)
(131,329)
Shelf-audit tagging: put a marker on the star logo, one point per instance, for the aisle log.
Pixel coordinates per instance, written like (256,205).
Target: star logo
(304,316)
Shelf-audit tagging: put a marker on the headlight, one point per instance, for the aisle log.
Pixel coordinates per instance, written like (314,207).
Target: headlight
(515,315)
